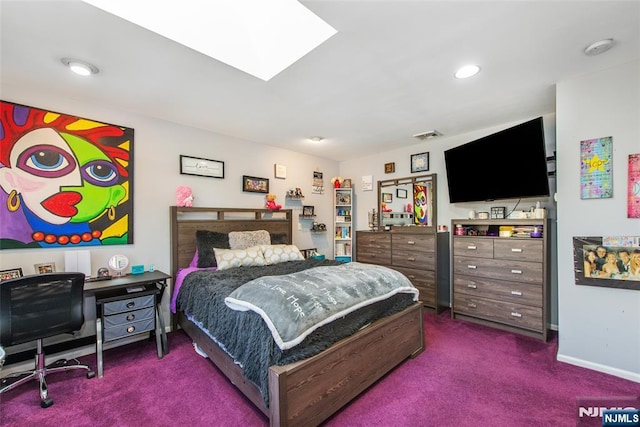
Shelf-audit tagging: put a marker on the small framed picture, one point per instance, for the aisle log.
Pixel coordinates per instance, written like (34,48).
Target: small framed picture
(201,167)
(401,193)
(280,171)
(497,212)
(389,167)
(253,184)
(308,210)
(346,183)
(387,197)
(45,267)
(12,273)
(419,162)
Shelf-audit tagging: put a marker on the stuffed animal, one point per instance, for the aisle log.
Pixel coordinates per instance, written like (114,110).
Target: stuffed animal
(271,202)
(184,196)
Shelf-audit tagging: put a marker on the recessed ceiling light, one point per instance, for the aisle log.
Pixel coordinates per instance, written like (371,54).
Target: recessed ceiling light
(316,138)
(467,71)
(598,47)
(79,67)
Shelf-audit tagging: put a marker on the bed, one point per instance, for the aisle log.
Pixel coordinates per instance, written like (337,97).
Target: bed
(308,391)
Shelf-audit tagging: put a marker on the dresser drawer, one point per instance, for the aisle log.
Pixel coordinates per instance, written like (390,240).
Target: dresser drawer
(519,293)
(414,259)
(518,315)
(127,329)
(525,272)
(372,256)
(128,304)
(518,249)
(473,246)
(424,281)
(413,242)
(128,317)
(373,240)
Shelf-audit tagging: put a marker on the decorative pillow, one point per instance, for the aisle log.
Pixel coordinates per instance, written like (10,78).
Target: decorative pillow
(205,242)
(247,239)
(279,239)
(231,258)
(275,254)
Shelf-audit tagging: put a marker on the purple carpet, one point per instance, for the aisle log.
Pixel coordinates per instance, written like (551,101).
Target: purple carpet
(468,375)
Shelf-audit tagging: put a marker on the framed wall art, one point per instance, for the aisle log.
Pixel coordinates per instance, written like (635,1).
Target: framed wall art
(201,167)
(419,162)
(389,167)
(280,171)
(401,193)
(596,168)
(608,261)
(79,192)
(387,197)
(12,273)
(308,211)
(254,184)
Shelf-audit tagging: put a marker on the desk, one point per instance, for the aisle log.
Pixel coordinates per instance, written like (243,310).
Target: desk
(126,306)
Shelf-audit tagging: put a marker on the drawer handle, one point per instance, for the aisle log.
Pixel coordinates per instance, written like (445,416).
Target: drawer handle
(472,267)
(130,317)
(516,250)
(131,304)
(516,271)
(411,259)
(411,242)
(516,314)
(472,286)
(472,305)
(516,293)
(472,248)
(131,329)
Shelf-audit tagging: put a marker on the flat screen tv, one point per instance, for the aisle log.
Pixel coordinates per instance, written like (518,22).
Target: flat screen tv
(510,164)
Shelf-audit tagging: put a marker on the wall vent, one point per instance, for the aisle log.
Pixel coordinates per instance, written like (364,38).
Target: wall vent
(427,135)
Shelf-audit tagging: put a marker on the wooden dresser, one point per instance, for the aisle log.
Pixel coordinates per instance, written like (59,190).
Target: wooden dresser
(502,281)
(412,254)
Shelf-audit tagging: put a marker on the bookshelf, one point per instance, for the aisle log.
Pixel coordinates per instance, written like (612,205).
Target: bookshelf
(343,223)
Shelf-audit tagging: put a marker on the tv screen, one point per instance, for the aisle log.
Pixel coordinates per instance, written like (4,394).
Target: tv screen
(510,164)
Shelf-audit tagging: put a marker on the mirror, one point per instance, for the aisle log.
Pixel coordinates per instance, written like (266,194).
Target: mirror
(118,263)
(408,202)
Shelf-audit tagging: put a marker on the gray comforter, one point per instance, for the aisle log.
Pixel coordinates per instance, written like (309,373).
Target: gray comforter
(245,336)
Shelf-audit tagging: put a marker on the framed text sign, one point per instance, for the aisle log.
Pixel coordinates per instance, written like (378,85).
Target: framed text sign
(201,167)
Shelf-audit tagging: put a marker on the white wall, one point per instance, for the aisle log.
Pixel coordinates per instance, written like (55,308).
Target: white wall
(157,147)
(599,327)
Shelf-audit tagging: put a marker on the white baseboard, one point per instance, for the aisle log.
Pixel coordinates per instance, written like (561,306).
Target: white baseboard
(628,375)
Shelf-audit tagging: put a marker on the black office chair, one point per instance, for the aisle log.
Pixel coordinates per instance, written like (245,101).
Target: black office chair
(37,307)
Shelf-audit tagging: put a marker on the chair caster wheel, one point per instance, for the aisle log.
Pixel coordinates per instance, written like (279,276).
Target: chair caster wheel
(45,403)
(90,374)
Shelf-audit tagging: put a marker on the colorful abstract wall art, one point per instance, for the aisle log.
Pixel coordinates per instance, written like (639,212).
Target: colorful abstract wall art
(633,194)
(65,181)
(596,168)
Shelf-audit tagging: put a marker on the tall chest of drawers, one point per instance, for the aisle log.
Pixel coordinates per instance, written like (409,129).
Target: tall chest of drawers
(412,254)
(502,281)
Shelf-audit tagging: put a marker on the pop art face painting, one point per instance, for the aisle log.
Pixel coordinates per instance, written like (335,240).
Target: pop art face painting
(66,181)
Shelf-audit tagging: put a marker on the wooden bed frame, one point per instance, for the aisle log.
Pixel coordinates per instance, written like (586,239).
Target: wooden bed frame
(309,391)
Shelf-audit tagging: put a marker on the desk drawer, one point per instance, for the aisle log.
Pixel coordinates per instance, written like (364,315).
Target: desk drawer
(120,306)
(128,329)
(128,317)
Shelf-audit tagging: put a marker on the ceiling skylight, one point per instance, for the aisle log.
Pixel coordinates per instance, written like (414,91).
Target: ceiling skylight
(259,37)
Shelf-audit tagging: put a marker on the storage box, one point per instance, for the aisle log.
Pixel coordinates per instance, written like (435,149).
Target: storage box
(317,256)
(343,258)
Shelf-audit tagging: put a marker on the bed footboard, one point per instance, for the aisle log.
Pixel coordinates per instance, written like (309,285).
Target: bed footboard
(309,391)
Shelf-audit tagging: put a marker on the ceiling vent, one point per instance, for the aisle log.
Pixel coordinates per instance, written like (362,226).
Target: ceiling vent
(427,135)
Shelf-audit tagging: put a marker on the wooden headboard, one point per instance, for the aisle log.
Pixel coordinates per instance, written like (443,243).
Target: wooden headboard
(185,222)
